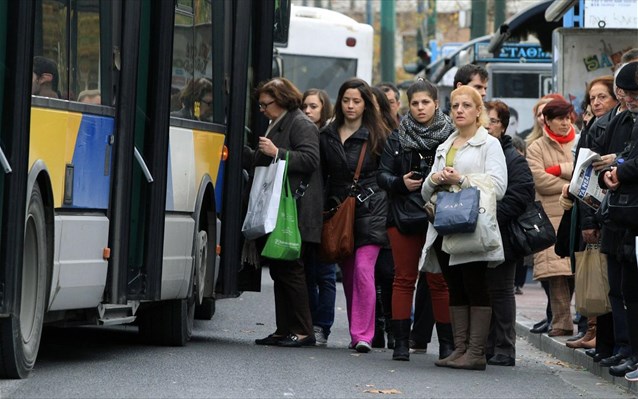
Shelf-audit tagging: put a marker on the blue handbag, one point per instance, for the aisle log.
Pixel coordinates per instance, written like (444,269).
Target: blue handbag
(457,212)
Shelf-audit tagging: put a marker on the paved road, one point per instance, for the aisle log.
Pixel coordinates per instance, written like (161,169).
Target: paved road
(222,361)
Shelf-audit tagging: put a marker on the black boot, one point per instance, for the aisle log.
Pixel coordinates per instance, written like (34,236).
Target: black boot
(401,329)
(389,333)
(378,341)
(446,340)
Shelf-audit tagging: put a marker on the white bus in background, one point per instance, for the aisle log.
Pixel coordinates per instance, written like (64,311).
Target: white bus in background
(325,48)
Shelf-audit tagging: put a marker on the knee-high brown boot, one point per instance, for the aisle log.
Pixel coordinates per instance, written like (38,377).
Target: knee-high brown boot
(474,357)
(460,320)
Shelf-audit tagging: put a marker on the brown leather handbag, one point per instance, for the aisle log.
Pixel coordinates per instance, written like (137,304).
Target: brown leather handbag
(337,235)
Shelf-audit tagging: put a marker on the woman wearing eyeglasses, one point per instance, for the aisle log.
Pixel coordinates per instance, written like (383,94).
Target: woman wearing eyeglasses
(290,132)
(501,342)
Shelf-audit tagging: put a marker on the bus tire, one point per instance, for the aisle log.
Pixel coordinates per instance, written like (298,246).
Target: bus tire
(206,310)
(20,336)
(169,323)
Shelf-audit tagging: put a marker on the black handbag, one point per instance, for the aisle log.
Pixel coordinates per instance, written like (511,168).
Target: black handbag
(409,214)
(622,207)
(532,231)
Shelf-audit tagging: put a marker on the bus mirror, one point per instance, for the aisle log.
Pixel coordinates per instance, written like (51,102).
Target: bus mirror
(282,23)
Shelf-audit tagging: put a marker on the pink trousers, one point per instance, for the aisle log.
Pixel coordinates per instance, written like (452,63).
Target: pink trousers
(358,285)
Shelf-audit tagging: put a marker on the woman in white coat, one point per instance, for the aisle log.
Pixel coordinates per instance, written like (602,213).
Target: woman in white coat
(470,153)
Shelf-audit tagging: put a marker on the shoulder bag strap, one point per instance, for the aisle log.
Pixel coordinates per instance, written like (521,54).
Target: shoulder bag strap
(362,155)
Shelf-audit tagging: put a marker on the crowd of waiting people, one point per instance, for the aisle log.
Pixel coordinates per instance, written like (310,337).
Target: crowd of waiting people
(403,280)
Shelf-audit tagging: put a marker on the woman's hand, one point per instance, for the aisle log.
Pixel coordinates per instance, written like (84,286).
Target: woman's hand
(267,147)
(410,183)
(591,236)
(447,176)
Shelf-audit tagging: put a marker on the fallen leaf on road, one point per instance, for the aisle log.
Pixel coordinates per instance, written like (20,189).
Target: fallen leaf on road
(391,391)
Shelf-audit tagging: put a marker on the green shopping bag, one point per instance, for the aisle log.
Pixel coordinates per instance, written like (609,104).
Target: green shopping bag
(284,243)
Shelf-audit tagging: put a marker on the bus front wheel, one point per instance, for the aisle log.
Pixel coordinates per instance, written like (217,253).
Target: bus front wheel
(20,336)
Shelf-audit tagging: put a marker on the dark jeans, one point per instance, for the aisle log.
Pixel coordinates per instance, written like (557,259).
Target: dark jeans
(621,333)
(383,278)
(500,284)
(521,273)
(423,312)
(321,280)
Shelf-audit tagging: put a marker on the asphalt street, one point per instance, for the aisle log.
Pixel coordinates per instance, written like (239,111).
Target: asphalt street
(222,361)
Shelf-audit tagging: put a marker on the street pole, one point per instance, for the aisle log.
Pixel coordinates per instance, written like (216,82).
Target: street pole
(479,11)
(499,13)
(388,22)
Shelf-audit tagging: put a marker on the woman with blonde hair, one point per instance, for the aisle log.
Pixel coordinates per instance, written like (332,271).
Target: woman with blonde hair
(470,154)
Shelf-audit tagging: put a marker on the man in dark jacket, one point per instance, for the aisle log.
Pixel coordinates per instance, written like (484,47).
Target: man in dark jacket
(619,139)
(520,192)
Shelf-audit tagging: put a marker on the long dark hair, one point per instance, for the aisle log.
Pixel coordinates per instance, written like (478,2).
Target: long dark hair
(384,108)
(326,107)
(370,119)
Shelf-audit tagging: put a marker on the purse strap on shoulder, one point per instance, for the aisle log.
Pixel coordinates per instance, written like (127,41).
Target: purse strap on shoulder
(362,155)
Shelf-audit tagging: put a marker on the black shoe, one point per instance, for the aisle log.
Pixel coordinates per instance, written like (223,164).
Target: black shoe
(501,360)
(630,364)
(378,341)
(599,356)
(293,341)
(418,347)
(543,328)
(540,323)
(576,337)
(591,352)
(269,340)
(614,360)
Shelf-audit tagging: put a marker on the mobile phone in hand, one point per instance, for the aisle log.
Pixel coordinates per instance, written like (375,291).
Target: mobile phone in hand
(416,175)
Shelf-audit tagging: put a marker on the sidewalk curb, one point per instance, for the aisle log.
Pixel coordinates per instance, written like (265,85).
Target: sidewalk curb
(557,348)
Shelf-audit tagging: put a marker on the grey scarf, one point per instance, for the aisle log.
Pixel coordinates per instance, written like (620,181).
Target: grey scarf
(417,136)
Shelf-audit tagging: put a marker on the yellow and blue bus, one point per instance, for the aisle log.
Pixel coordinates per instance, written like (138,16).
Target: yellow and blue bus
(122,124)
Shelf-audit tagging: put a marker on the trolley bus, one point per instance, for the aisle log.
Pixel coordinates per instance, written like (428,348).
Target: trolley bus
(122,124)
(325,48)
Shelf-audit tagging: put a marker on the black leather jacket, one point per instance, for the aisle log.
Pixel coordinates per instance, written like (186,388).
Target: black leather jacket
(396,162)
(339,162)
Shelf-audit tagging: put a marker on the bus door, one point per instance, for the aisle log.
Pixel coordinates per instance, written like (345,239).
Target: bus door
(15,80)
(138,194)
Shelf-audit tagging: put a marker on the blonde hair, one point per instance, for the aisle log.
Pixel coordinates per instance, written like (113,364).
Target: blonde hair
(482,119)
(537,130)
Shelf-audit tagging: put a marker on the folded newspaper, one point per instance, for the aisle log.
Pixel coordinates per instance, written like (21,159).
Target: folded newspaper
(584,183)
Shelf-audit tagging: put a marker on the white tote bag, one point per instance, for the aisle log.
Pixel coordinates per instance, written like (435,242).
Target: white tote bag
(263,203)
(487,236)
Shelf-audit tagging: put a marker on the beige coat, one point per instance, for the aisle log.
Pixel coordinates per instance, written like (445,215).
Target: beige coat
(541,154)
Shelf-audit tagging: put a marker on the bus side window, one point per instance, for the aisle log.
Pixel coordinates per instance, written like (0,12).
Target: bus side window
(85,52)
(191,82)
(50,66)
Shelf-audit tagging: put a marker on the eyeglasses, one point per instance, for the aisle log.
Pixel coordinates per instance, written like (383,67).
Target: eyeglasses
(628,94)
(494,121)
(263,106)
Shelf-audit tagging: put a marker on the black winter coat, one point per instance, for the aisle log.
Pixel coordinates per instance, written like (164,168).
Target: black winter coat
(298,136)
(616,139)
(628,174)
(396,162)
(520,192)
(339,162)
